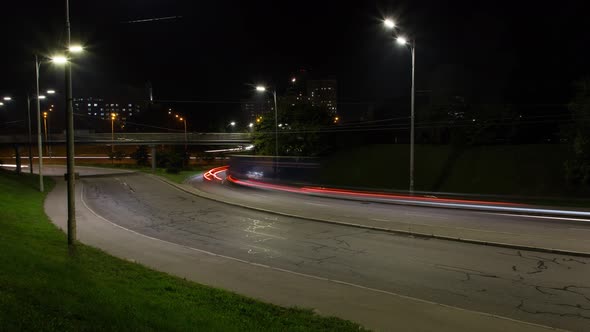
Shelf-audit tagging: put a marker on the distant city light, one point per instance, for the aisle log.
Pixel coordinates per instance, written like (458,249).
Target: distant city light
(1,104)
(260,88)
(293,80)
(389,23)
(402,40)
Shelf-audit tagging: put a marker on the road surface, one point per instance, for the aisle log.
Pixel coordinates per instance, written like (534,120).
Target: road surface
(546,289)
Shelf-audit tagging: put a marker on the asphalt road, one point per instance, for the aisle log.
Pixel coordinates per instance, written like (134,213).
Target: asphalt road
(570,234)
(546,289)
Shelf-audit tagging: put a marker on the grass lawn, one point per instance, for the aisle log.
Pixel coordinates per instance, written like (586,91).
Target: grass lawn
(43,288)
(531,174)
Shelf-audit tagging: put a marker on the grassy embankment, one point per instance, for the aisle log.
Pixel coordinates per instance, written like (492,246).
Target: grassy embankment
(522,170)
(43,288)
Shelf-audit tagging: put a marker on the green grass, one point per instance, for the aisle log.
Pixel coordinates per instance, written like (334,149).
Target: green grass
(512,170)
(43,288)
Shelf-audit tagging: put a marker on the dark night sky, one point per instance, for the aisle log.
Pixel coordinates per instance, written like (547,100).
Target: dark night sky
(517,51)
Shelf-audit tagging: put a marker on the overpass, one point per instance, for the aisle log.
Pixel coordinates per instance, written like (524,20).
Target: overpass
(138,139)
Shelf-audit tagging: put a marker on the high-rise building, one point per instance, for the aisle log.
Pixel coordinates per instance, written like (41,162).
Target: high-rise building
(323,93)
(259,105)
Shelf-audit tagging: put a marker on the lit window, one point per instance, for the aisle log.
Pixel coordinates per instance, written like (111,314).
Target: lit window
(94,113)
(89,104)
(95,105)
(130,114)
(89,113)
(130,105)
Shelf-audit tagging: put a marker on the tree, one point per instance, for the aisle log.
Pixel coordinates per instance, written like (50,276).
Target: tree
(141,155)
(299,132)
(577,167)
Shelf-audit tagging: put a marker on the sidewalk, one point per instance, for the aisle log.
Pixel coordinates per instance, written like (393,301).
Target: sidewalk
(526,236)
(376,309)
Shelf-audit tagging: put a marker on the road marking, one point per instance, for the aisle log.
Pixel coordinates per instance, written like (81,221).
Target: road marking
(317,204)
(377,219)
(580,229)
(538,217)
(310,276)
(425,215)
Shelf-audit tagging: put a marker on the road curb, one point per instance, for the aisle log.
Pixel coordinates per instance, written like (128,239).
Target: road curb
(199,193)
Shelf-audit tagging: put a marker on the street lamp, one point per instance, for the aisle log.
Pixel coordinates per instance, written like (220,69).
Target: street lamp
(113,117)
(261,89)
(76,48)
(233,123)
(412,45)
(185,134)
(7,98)
(45,114)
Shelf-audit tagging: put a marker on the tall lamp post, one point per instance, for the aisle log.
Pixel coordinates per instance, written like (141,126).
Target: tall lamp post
(390,24)
(71,49)
(113,117)
(185,135)
(263,89)
(45,126)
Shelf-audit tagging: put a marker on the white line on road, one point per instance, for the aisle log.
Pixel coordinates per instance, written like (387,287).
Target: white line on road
(425,215)
(316,204)
(538,217)
(377,219)
(580,229)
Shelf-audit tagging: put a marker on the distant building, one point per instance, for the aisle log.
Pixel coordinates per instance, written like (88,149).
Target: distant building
(101,109)
(258,106)
(297,89)
(323,93)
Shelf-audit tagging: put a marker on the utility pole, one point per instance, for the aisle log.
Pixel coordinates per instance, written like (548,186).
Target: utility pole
(412,119)
(70,139)
(39,142)
(30,138)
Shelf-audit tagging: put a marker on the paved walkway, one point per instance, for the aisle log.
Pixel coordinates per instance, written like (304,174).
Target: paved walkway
(375,309)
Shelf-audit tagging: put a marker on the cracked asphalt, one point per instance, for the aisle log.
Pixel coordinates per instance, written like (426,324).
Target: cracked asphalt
(552,290)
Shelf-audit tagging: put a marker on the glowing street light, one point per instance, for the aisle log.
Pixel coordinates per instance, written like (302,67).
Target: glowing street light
(7,98)
(233,123)
(59,59)
(251,125)
(1,103)
(260,88)
(76,48)
(41,97)
(50,92)
(401,40)
(389,23)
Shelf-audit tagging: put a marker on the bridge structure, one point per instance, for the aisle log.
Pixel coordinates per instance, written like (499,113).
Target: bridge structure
(214,139)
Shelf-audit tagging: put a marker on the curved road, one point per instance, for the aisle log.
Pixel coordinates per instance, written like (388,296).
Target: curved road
(546,289)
